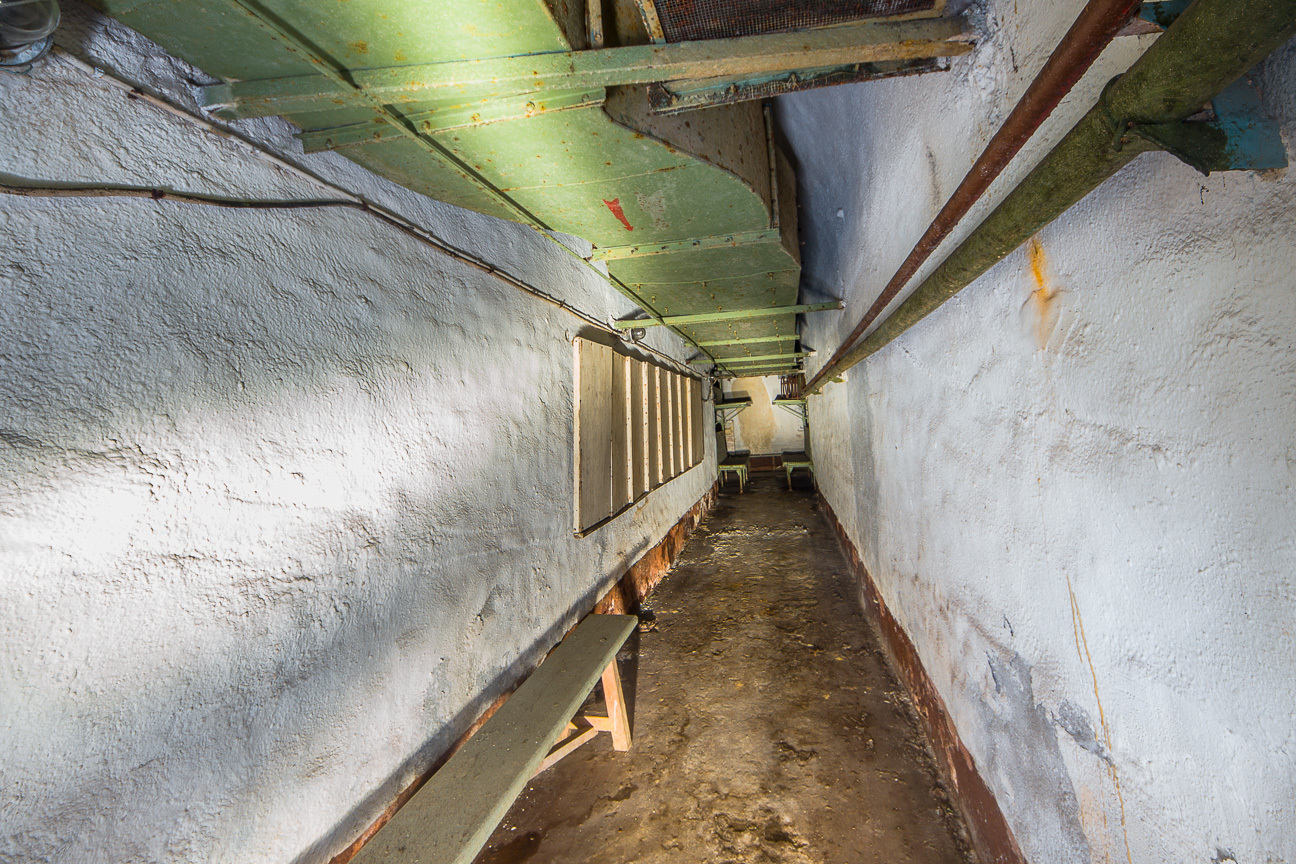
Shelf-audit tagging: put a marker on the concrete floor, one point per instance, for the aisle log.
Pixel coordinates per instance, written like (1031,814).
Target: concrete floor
(767,725)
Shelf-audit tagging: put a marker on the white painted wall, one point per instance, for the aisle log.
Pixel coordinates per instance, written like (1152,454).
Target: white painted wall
(285,498)
(1077,497)
(762,427)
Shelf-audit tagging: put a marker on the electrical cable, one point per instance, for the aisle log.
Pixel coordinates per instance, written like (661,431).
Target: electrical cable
(352,201)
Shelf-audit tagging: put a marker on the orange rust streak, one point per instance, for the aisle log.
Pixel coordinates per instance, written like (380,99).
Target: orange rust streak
(1043,295)
(1078,622)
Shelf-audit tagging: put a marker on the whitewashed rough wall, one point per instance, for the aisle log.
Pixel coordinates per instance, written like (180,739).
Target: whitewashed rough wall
(763,427)
(285,497)
(1076,492)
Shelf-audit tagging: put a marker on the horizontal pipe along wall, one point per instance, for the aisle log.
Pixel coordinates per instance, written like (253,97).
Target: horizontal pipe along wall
(286,497)
(1072,483)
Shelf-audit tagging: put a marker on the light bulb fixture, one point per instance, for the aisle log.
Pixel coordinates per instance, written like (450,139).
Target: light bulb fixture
(26,32)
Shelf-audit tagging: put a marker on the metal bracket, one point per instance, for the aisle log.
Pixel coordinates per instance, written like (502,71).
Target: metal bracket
(795,407)
(651,20)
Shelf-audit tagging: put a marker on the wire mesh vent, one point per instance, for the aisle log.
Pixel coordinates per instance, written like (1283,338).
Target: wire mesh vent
(716,19)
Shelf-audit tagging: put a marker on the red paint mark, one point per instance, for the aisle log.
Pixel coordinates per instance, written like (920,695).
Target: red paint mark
(615,206)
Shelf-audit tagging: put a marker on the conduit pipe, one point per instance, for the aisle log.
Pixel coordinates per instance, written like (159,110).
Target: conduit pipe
(1093,30)
(1207,48)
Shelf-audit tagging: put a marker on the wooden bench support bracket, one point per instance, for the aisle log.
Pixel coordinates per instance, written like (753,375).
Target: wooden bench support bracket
(586,727)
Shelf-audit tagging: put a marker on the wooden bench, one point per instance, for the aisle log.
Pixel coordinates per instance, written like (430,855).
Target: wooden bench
(738,465)
(792,461)
(450,819)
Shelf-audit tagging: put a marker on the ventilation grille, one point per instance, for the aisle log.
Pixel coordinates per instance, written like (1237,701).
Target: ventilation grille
(682,20)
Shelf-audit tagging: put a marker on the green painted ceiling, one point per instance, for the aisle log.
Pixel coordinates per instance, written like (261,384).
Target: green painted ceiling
(579,169)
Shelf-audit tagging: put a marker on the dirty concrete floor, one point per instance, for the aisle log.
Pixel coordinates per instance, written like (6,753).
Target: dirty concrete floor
(767,725)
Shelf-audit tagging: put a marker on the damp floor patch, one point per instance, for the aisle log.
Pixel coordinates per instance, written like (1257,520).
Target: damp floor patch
(767,724)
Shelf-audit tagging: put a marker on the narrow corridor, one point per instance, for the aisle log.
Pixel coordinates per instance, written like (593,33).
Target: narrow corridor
(767,724)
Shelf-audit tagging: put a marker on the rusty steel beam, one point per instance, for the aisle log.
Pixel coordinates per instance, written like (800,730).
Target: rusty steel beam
(1097,25)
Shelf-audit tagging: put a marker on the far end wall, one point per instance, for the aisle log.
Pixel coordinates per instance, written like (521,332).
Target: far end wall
(764,428)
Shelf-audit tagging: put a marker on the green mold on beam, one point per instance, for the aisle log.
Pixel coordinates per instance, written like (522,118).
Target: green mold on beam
(862,42)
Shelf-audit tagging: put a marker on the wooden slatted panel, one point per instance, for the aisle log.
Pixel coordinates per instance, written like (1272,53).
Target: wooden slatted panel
(699,423)
(663,414)
(638,428)
(671,425)
(620,432)
(689,461)
(656,474)
(681,441)
(593,434)
(452,816)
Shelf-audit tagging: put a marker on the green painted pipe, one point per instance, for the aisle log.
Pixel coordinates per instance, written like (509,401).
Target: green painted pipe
(1207,48)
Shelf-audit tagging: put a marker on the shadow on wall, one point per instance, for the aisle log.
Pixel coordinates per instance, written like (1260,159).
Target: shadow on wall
(248,477)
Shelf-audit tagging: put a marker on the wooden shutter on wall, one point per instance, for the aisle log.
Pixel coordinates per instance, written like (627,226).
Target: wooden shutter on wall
(655,475)
(636,426)
(668,424)
(678,402)
(592,431)
(695,398)
(620,441)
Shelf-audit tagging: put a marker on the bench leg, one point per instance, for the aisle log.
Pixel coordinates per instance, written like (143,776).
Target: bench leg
(616,705)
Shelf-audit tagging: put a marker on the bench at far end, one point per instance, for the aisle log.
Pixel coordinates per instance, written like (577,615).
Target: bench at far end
(450,819)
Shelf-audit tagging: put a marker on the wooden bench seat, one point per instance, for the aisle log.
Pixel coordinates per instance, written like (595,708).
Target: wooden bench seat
(792,461)
(738,464)
(453,815)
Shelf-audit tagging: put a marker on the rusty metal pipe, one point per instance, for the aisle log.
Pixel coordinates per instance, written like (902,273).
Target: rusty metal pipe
(1206,48)
(1097,25)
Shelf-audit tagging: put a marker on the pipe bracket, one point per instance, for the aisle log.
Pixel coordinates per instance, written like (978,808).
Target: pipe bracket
(1233,134)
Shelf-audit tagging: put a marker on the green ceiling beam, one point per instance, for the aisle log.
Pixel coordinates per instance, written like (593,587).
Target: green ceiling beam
(340,79)
(615,253)
(859,42)
(750,341)
(755,359)
(759,373)
(734,315)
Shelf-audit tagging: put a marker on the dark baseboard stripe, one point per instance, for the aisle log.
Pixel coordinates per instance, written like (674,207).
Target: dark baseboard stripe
(991,835)
(625,596)
(622,598)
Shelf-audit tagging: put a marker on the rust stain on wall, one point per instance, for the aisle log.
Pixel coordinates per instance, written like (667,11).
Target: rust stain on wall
(1044,299)
(1082,648)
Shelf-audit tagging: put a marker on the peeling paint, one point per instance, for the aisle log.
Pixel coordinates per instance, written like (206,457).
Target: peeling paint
(614,205)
